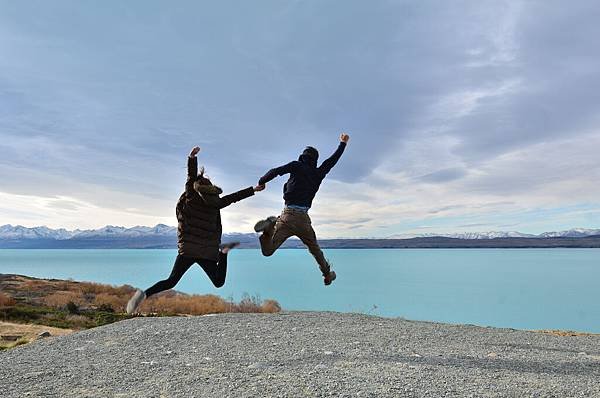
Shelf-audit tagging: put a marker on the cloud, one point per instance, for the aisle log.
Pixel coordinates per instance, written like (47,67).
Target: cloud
(459,114)
(444,175)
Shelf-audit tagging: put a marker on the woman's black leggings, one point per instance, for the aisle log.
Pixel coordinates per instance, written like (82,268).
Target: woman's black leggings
(216,271)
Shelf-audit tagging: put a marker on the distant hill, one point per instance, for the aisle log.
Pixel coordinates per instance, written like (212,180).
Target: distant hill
(165,237)
(455,243)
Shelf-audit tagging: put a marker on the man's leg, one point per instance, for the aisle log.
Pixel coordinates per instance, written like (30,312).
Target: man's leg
(307,235)
(273,237)
(216,270)
(182,264)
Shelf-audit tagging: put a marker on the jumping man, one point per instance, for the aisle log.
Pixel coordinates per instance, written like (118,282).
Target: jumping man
(298,194)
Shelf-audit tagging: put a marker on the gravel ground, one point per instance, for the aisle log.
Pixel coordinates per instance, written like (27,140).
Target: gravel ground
(313,354)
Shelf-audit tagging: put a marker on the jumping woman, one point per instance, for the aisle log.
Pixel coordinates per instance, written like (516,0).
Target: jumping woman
(198,231)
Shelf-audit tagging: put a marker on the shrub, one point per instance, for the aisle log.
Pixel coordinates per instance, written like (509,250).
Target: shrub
(248,304)
(117,303)
(106,308)
(72,308)
(75,318)
(184,304)
(58,303)
(104,318)
(98,288)
(270,306)
(74,321)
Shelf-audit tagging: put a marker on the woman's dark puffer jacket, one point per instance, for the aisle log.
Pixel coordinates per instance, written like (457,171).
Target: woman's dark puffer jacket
(199,217)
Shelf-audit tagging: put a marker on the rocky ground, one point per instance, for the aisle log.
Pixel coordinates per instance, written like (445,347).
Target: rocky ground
(301,354)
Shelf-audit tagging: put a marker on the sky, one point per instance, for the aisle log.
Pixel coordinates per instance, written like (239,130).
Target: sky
(463,115)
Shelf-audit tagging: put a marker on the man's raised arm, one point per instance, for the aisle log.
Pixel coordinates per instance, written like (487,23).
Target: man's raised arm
(328,164)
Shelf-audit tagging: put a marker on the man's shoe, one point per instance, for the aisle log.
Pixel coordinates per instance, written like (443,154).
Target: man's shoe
(265,224)
(330,277)
(226,247)
(135,301)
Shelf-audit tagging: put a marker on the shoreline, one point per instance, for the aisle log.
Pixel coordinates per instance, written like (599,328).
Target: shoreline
(564,328)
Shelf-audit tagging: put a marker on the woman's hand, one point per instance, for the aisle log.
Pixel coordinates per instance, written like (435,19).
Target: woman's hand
(194,151)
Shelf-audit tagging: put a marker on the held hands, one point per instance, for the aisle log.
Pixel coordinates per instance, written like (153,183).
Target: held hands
(194,151)
(344,138)
(259,188)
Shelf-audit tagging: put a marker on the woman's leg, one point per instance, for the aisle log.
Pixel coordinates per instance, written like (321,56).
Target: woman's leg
(216,270)
(182,264)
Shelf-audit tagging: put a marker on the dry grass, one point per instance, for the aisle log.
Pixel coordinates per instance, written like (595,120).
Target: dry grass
(6,300)
(116,302)
(83,296)
(61,298)
(184,304)
(5,345)
(270,306)
(177,303)
(97,289)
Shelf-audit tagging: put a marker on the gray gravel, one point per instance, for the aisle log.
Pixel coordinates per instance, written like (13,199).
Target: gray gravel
(299,354)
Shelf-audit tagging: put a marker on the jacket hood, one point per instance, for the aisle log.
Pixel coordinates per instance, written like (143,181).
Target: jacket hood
(208,193)
(309,156)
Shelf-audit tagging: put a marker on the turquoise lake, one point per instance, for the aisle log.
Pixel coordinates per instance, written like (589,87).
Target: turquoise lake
(517,288)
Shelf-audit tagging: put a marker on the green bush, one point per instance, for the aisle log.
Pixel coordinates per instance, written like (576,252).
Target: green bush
(72,308)
(106,308)
(104,318)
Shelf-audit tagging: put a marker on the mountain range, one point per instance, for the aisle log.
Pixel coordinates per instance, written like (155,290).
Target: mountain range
(164,236)
(114,237)
(571,233)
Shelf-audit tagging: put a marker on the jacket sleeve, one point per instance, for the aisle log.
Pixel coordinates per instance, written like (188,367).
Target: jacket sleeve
(192,173)
(328,164)
(236,197)
(277,171)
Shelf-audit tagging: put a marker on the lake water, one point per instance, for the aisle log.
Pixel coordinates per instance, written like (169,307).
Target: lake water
(518,288)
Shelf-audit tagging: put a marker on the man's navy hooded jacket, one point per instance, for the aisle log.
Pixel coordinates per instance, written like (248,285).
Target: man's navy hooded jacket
(305,177)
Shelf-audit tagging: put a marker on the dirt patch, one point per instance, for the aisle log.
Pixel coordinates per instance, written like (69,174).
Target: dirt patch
(30,332)
(15,334)
(565,333)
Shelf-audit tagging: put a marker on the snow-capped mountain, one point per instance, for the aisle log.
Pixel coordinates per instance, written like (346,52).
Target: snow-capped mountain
(571,233)
(111,231)
(20,232)
(490,235)
(109,237)
(165,233)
